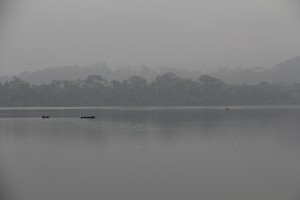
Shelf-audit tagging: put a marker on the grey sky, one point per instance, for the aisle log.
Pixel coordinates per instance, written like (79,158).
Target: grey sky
(193,34)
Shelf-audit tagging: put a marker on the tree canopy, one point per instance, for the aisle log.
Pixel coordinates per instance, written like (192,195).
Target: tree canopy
(166,90)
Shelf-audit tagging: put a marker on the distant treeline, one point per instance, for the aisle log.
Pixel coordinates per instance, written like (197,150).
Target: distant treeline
(286,72)
(166,90)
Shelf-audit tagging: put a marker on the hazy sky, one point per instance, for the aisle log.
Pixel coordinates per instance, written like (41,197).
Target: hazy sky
(35,34)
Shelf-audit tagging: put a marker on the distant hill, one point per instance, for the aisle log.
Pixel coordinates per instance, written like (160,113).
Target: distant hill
(288,71)
(47,75)
(285,72)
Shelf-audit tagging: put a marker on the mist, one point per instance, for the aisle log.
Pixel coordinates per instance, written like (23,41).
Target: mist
(189,34)
(149,99)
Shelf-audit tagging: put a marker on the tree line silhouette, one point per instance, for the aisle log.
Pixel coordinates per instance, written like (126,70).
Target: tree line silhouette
(166,90)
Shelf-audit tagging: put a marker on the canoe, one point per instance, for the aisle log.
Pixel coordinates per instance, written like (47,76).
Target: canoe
(87,117)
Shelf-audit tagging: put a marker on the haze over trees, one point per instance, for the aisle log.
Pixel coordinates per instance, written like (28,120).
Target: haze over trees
(72,73)
(167,89)
(287,72)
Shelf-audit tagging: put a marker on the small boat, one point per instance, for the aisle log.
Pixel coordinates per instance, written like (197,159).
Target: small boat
(227,109)
(87,117)
(45,116)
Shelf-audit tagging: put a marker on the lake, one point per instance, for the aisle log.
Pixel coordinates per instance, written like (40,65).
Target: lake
(151,153)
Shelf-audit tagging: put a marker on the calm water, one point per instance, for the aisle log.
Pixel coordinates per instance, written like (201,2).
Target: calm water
(151,153)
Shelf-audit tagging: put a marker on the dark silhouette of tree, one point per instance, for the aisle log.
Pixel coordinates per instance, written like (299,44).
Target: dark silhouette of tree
(208,80)
(166,90)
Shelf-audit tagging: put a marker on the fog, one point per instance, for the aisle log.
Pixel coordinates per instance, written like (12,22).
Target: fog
(190,34)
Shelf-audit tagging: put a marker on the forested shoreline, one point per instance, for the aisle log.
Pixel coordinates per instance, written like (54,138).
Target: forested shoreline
(166,90)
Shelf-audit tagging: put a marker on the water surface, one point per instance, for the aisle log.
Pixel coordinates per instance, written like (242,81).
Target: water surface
(151,153)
